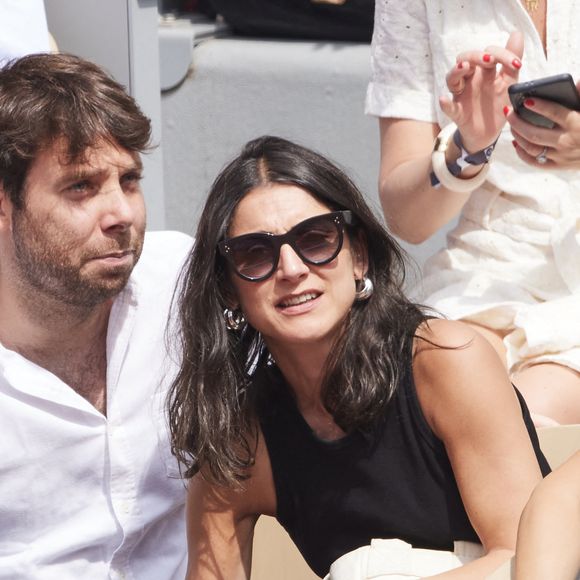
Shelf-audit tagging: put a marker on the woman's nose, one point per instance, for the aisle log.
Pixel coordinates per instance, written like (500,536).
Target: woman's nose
(290,264)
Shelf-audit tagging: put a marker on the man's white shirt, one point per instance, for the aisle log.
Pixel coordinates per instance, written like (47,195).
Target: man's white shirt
(84,496)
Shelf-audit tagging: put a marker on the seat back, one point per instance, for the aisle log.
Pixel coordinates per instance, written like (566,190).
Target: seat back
(559,443)
(275,555)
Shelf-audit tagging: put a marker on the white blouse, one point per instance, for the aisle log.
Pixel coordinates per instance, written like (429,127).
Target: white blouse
(512,262)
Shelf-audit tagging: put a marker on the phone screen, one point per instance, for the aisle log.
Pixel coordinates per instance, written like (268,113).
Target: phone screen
(559,89)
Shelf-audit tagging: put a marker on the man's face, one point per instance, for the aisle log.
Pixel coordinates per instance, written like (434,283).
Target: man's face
(81,230)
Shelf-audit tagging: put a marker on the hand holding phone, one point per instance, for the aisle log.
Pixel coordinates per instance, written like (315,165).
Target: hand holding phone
(558,89)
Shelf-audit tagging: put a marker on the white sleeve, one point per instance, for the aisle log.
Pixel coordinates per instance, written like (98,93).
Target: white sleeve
(23,28)
(401,83)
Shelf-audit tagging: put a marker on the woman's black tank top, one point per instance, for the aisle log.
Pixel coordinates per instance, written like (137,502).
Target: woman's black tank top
(395,482)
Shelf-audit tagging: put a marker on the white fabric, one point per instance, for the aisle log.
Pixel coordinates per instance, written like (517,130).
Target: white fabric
(398,560)
(512,262)
(23,28)
(84,496)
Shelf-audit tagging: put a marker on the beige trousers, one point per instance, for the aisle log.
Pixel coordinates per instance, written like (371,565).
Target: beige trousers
(397,560)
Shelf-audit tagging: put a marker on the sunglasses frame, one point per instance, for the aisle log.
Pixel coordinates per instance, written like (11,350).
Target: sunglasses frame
(339,218)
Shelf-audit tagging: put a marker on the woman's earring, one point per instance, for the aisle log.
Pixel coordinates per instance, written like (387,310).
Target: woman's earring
(234,319)
(366,291)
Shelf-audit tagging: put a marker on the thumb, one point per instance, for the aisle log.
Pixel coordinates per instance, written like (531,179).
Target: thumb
(449,107)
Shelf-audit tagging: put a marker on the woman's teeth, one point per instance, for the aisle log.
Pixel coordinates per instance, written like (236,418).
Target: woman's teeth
(299,299)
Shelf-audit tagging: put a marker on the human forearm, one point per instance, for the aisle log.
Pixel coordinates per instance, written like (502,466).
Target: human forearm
(414,210)
(219,540)
(482,568)
(548,537)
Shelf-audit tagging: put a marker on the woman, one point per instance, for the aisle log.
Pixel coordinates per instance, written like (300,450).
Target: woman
(311,389)
(510,266)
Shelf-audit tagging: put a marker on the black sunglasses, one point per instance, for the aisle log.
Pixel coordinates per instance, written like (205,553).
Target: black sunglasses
(317,241)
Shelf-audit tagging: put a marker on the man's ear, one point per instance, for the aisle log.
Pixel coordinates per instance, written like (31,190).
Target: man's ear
(6,209)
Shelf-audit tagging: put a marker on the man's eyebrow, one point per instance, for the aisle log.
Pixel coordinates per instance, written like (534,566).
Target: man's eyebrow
(80,173)
(76,174)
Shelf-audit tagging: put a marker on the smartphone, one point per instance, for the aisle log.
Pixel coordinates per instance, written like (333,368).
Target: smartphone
(558,88)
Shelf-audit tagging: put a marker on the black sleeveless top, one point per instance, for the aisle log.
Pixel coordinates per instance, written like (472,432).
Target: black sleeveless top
(394,482)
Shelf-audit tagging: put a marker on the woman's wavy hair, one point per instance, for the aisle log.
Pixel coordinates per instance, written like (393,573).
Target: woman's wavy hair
(211,405)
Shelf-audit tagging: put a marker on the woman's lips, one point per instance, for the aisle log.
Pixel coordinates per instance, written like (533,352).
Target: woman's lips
(298,300)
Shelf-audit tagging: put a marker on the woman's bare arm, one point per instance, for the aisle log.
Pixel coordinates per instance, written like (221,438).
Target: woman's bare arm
(549,534)
(221,521)
(470,404)
(415,210)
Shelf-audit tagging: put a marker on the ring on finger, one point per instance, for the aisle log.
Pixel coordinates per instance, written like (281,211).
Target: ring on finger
(541,158)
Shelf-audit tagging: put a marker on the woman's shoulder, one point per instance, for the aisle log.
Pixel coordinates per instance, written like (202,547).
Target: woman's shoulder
(448,346)
(443,333)
(456,369)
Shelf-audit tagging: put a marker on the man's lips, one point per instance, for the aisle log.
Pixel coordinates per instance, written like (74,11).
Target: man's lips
(114,258)
(121,254)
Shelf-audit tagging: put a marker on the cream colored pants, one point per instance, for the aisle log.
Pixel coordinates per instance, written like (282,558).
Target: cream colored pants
(397,560)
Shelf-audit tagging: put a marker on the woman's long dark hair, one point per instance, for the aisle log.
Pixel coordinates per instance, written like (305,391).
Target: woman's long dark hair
(211,403)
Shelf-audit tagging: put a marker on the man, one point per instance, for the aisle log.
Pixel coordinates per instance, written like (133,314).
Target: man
(88,486)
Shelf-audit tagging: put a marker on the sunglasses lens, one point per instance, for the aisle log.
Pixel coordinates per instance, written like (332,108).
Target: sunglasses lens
(253,256)
(318,240)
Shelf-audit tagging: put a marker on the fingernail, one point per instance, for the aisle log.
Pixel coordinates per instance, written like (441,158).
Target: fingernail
(506,110)
(517,63)
(529,102)
(486,57)
(515,143)
(460,64)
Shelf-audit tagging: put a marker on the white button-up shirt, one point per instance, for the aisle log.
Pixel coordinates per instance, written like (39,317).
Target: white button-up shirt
(84,496)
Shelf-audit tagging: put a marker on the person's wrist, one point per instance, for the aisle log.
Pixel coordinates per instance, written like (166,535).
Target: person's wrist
(475,143)
(454,167)
(452,154)
(467,160)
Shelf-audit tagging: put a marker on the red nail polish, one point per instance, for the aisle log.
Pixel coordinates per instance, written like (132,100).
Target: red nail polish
(517,63)
(506,110)
(529,102)
(486,58)
(459,65)
(515,143)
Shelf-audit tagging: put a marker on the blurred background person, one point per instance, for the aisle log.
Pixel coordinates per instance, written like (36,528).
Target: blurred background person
(441,69)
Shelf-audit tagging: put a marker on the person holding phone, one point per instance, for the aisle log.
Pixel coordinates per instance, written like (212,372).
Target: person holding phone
(441,72)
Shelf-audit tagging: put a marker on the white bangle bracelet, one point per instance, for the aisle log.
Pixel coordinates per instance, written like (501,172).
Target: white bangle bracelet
(441,171)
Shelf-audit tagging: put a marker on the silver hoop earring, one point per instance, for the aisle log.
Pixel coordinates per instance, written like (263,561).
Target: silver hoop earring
(234,319)
(366,291)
